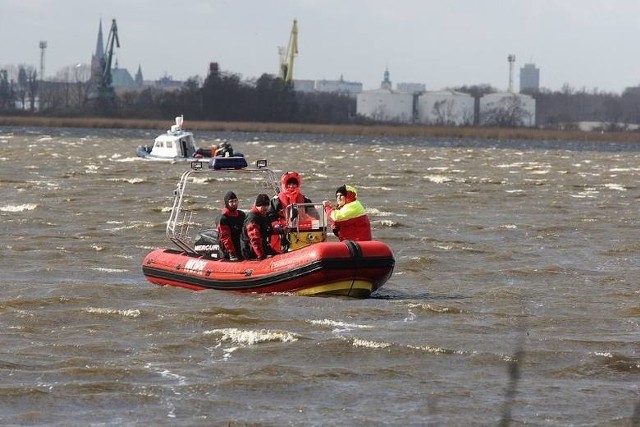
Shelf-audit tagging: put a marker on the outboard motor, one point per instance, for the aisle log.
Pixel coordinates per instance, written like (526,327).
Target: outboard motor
(207,245)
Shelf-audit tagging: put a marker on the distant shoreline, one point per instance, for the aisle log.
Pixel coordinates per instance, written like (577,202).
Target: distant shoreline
(361,130)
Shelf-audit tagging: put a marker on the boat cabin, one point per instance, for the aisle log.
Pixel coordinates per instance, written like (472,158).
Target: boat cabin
(174,144)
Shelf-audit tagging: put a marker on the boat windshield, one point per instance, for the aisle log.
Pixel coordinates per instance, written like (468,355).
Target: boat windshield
(306,224)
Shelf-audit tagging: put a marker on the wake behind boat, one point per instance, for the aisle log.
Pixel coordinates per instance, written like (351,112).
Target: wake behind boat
(179,144)
(310,265)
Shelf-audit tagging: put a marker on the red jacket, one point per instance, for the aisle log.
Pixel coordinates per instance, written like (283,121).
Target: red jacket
(350,222)
(357,229)
(255,234)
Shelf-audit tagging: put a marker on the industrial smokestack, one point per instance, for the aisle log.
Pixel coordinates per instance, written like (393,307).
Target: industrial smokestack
(511,58)
(43,47)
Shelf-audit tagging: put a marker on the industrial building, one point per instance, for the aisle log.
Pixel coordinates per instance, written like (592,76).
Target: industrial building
(529,78)
(340,86)
(447,107)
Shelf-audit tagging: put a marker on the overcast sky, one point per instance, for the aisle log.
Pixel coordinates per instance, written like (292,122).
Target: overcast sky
(590,44)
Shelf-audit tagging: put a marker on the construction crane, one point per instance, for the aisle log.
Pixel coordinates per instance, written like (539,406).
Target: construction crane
(102,88)
(287,56)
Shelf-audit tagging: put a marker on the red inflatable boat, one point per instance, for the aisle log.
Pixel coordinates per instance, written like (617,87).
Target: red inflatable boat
(311,266)
(354,269)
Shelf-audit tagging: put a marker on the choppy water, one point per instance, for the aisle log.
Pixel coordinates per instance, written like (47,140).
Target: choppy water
(505,250)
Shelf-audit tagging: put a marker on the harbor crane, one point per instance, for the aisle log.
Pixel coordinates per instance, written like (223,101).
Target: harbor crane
(287,56)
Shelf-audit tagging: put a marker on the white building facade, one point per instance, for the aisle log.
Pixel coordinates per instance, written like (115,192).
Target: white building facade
(446,107)
(502,107)
(385,105)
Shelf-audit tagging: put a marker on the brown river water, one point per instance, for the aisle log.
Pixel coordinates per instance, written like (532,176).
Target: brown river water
(515,299)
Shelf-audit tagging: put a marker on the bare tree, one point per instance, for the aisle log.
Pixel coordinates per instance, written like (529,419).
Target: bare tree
(21,89)
(6,92)
(32,87)
(443,110)
(509,111)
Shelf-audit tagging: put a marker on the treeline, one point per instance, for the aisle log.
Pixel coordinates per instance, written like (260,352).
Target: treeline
(225,97)
(563,109)
(221,97)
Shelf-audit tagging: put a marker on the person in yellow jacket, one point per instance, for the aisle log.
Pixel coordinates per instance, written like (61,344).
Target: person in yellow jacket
(348,218)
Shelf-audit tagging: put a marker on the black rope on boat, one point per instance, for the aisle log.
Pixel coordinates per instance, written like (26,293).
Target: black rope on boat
(354,248)
(356,253)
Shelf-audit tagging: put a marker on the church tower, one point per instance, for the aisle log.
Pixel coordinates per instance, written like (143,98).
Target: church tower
(98,57)
(139,80)
(386,83)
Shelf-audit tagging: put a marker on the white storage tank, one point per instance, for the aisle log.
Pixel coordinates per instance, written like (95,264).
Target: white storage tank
(385,105)
(445,107)
(507,109)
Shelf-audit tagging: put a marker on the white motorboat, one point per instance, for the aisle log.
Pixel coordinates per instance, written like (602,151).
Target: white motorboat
(179,144)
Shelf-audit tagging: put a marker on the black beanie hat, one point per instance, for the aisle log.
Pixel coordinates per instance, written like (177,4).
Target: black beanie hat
(262,200)
(342,190)
(230,195)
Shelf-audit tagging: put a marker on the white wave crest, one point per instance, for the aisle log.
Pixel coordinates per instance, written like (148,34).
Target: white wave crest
(125,313)
(441,179)
(429,349)
(378,212)
(18,208)
(110,270)
(617,187)
(129,180)
(248,337)
(200,180)
(335,324)
(369,344)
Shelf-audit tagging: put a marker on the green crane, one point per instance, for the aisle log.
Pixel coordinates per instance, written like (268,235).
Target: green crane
(102,88)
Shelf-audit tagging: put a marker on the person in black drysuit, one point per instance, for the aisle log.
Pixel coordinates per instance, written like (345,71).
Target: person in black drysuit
(230,228)
(257,231)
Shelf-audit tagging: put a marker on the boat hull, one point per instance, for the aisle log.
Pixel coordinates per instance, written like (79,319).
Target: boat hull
(353,269)
(145,152)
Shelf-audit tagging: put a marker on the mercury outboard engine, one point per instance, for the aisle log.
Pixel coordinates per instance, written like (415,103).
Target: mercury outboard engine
(207,244)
